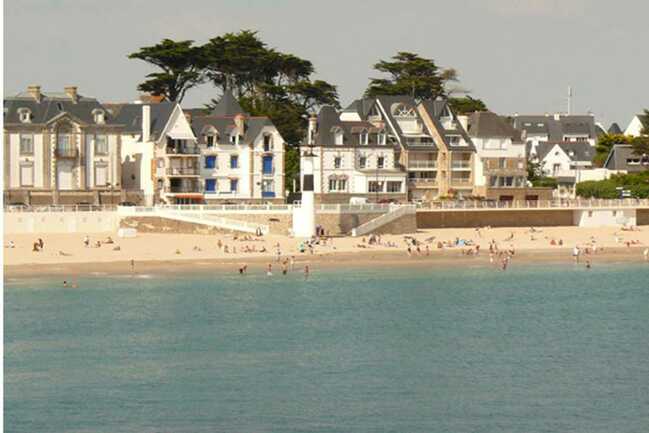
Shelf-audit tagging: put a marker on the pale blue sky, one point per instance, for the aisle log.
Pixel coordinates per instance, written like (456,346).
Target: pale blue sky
(517,55)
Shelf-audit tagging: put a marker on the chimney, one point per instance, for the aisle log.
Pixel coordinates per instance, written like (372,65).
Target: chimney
(557,116)
(464,121)
(146,123)
(240,123)
(35,92)
(71,91)
(313,123)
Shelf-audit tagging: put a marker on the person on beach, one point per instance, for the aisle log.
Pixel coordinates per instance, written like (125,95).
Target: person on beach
(86,241)
(646,254)
(575,253)
(132,266)
(284,268)
(12,244)
(269,270)
(243,269)
(65,283)
(587,264)
(292,263)
(306,271)
(35,247)
(41,244)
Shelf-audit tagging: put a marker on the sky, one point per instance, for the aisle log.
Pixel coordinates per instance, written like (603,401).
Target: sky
(519,56)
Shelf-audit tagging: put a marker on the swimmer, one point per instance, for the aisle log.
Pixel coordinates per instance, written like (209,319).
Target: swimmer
(269,270)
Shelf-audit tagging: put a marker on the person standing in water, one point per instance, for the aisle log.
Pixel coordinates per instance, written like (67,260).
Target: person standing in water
(306,271)
(269,270)
(132,266)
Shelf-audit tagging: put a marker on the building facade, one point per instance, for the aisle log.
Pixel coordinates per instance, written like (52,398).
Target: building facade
(60,148)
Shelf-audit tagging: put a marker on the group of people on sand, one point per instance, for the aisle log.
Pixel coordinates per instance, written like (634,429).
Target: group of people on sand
(38,246)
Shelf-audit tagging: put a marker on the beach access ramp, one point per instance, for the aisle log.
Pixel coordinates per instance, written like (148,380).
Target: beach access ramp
(395,213)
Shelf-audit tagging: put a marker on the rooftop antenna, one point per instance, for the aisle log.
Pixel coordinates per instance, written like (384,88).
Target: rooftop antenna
(569,100)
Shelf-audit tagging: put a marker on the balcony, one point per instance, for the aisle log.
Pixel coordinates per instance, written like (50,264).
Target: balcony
(268,172)
(460,181)
(422,164)
(182,171)
(423,182)
(185,188)
(268,194)
(182,150)
(67,152)
(461,165)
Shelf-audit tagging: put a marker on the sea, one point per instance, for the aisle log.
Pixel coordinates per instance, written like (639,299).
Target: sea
(536,348)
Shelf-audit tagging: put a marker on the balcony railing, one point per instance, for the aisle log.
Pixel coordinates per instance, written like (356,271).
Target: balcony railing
(423,180)
(183,150)
(67,152)
(460,164)
(270,172)
(174,189)
(460,181)
(182,171)
(421,164)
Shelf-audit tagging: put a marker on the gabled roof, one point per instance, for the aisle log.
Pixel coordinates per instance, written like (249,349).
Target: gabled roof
(485,124)
(227,106)
(329,123)
(576,151)
(223,125)
(130,115)
(436,109)
(555,129)
(618,156)
(52,105)
(615,129)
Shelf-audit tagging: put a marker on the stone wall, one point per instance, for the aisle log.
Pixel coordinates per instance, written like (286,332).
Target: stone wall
(60,222)
(501,218)
(403,225)
(336,224)
(165,225)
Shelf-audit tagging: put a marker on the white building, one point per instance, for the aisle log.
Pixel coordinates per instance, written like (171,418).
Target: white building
(60,148)
(557,128)
(636,126)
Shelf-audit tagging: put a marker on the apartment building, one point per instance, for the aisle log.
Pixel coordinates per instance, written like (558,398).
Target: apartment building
(389,148)
(60,148)
(501,162)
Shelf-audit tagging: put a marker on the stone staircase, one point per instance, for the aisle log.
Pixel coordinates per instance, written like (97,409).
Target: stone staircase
(396,212)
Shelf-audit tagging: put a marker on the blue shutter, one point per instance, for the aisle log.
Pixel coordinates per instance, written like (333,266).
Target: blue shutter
(210,161)
(268,164)
(210,185)
(233,185)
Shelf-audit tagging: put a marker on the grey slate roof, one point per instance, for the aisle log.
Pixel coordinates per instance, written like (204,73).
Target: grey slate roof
(52,105)
(618,156)
(436,109)
(227,106)
(225,124)
(576,151)
(556,129)
(615,129)
(130,115)
(485,124)
(329,121)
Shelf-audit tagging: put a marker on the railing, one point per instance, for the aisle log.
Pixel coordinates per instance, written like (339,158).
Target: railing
(67,152)
(460,181)
(183,150)
(182,171)
(424,180)
(535,204)
(460,164)
(395,212)
(270,172)
(183,188)
(421,164)
(61,208)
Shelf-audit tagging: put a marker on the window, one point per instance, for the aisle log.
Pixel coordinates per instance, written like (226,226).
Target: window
(24,115)
(502,163)
(209,140)
(453,140)
(394,186)
(210,161)
(210,185)
(342,184)
(101,175)
(380,162)
(234,185)
(337,162)
(101,145)
(63,140)
(98,116)
(234,161)
(362,161)
(338,136)
(233,139)
(26,175)
(267,164)
(375,186)
(26,144)
(381,137)
(401,110)
(333,184)
(364,137)
(268,143)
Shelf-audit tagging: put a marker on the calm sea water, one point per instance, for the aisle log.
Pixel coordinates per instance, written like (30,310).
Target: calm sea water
(533,349)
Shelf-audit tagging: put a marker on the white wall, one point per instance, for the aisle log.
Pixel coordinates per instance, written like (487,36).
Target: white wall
(604,217)
(60,222)
(635,127)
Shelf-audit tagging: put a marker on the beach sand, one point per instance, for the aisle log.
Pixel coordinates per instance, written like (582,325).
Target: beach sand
(196,253)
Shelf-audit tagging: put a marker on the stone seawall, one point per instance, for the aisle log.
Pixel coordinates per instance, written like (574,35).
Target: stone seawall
(642,217)
(504,218)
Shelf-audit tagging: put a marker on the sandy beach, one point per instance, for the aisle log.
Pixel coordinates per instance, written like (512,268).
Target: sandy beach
(67,253)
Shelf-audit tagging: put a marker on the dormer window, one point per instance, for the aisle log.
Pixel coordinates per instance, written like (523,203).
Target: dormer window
(211,137)
(381,137)
(25,115)
(268,142)
(99,116)
(338,136)
(402,110)
(364,137)
(233,138)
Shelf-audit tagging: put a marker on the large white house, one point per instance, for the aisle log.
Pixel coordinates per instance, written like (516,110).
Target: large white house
(60,148)
(181,158)
(636,126)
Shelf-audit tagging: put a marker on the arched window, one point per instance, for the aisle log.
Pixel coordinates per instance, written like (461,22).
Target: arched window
(99,116)
(364,137)
(25,115)
(338,136)
(211,136)
(402,110)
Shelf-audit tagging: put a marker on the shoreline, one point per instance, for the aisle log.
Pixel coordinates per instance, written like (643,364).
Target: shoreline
(363,259)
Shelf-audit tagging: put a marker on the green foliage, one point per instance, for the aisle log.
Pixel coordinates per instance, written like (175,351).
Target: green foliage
(410,74)
(636,183)
(181,66)
(466,105)
(604,145)
(645,122)
(544,182)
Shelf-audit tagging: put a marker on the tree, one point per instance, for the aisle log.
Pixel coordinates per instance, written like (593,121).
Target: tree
(466,105)
(604,145)
(537,177)
(410,74)
(181,64)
